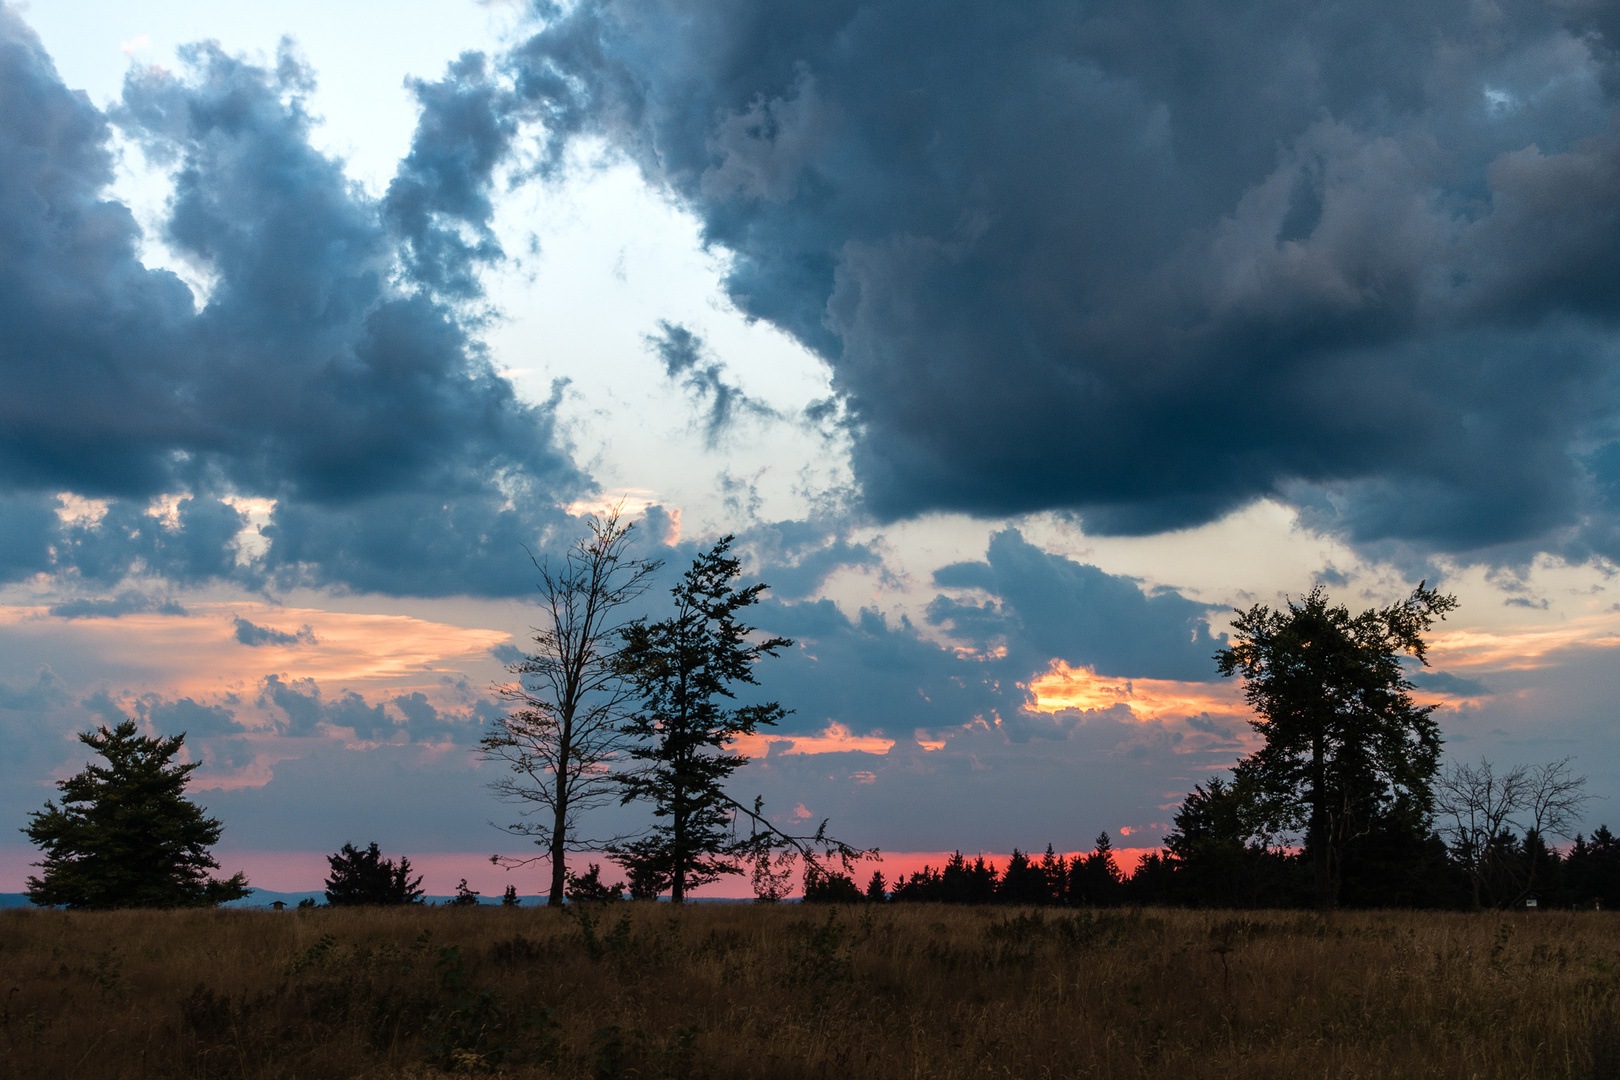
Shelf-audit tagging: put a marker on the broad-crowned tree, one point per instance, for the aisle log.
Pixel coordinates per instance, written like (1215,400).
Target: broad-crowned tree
(684,669)
(562,740)
(1345,744)
(125,835)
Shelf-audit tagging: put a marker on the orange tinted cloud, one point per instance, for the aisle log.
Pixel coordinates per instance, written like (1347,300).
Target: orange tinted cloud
(835,738)
(1064,687)
(1521,648)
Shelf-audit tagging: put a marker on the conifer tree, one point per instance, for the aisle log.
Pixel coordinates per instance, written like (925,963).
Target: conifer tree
(125,834)
(365,877)
(1096,880)
(684,669)
(1023,882)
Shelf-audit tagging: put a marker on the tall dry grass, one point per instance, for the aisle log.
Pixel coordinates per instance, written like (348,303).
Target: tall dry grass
(740,991)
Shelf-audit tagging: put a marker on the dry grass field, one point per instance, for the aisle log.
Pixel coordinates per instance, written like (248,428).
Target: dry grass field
(641,990)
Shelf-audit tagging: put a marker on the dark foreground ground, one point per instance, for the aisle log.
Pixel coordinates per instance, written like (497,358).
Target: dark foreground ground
(741,991)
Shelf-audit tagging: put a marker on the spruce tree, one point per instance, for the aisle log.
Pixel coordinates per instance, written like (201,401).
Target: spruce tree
(365,877)
(125,835)
(684,668)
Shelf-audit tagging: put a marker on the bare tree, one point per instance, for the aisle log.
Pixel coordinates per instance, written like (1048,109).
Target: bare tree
(1481,809)
(561,741)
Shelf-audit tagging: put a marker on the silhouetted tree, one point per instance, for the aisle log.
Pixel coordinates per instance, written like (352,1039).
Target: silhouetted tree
(1055,875)
(1152,882)
(1217,853)
(589,887)
(365,877)
(465,897)
(1022,882)
(1479,809)
(125,834)
(877,890)
(1394,867)
(572,694)
(1095,879)
(1345,745)
(683,669)
(823,886)
(962,882)
(773,861)
(923,886)
(509,898)
(1592,870)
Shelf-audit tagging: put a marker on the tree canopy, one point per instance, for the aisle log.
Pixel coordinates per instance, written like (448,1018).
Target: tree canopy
(125,834)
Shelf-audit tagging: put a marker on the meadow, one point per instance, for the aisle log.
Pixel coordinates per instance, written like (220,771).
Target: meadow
(890,990)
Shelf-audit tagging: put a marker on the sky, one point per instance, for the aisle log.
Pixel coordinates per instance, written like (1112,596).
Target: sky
(1018,347)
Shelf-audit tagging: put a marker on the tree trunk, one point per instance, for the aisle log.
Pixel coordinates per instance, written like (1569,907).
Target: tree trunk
(1319,839)
(677,877)
(559,838)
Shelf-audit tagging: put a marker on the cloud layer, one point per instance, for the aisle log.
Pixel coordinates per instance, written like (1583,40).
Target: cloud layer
(1152,263)
(325,413)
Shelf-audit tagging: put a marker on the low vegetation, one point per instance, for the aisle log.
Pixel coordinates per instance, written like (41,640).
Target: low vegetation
(865,990)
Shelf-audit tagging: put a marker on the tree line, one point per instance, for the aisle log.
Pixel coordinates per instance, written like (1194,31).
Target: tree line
(1211,860)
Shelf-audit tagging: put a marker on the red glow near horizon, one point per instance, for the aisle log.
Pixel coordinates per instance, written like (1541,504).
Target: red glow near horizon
(305,871)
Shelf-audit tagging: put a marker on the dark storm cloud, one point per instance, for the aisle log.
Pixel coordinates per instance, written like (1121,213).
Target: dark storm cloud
(330,368)
(507,654)
(1049,607)
(872,675)
(185,716)
(252,634)
(444,183)
(796,557)
(687,362)
(129,603)
(1445,682)
(45,693)
(306,707)
(1150,262)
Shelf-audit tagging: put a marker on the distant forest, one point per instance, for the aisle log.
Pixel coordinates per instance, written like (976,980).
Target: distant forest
(1198,867)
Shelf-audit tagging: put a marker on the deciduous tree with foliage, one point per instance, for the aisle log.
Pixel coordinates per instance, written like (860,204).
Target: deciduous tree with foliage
(684,669)
(561,742)
(125,835)
(1345,745)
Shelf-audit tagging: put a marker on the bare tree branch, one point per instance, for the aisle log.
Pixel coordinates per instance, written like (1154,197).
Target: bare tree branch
(1481,808)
